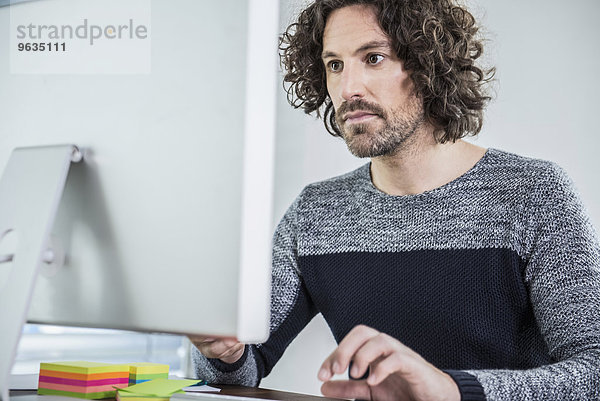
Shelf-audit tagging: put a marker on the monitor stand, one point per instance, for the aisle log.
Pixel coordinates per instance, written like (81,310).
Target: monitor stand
(30,191)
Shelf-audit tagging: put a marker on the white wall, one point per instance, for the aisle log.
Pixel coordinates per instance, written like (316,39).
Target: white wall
(547,56)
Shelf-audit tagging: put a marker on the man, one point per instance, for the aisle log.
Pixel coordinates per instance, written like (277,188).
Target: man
(445,271)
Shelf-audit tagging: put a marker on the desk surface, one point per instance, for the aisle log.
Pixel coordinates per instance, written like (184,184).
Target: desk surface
(249,392)
(252,392)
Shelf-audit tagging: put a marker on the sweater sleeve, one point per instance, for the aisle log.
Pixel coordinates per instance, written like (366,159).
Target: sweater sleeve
(562,276)
(291,310)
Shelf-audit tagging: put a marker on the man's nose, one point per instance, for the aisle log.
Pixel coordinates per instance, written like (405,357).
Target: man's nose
(353,86)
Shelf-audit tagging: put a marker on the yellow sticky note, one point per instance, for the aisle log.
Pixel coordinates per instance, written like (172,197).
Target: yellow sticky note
(148,368)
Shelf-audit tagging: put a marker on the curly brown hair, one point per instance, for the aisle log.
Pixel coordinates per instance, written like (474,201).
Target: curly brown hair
(436,40)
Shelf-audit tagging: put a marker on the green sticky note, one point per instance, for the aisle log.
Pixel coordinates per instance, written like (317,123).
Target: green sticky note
(159,387)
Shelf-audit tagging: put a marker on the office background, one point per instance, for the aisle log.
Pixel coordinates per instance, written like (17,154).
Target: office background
(545,106)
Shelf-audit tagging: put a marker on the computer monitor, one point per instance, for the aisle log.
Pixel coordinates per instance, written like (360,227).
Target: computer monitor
(166,223)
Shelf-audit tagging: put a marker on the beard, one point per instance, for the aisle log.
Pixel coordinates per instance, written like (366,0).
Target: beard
(385,136)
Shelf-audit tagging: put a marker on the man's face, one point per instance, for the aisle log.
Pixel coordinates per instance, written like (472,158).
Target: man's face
(372,94)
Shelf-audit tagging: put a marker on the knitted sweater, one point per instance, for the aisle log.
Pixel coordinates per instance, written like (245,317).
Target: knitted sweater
(493,277)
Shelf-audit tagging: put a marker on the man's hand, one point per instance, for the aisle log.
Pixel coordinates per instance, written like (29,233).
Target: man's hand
(395,371)
(229,350)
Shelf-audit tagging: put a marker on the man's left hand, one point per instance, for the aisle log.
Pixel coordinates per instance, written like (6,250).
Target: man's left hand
(395,371)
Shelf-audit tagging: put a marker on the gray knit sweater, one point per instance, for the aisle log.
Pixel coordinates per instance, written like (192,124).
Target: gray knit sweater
(493,277)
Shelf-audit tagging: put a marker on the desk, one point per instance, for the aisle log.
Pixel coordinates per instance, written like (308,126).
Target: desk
(250,392)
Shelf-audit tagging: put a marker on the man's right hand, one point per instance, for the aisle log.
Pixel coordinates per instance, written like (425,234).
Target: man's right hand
(228,350)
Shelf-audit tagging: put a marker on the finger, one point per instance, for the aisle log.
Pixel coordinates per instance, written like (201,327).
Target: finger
(232,350)
(346,389)
(230,342)
(215,349)
(338,361)
(199,339)
(222,349)
(352,375)
(201,344)
(234,354)
(376,347)
(406,363)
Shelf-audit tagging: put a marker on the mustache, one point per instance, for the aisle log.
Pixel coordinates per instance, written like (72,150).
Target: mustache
(359,104)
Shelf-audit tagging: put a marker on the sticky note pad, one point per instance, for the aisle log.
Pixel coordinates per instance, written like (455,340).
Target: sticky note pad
(145,371)
(89,380)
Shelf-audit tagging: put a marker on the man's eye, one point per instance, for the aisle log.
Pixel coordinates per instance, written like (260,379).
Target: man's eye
(334,66)
(374,58)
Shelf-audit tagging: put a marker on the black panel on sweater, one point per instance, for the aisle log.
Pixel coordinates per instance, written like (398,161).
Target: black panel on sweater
(459,309)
